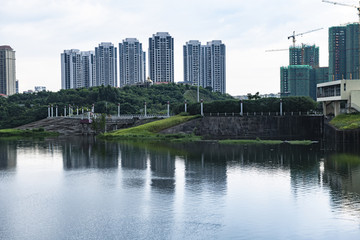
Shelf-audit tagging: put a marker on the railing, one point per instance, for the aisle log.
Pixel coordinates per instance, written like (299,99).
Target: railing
(116,117)
(311,113)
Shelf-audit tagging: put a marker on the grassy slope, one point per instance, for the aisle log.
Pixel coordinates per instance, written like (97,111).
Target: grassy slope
(26,133)
(267,142)
(191,96)
(346,121)
(150,130)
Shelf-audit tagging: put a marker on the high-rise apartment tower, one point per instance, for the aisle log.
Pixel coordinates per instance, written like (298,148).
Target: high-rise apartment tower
(161,57)
(77,69)
(106,60)
(192,62)
(131,62)
(352,51)
(7,70)
(337,53)
(217,65)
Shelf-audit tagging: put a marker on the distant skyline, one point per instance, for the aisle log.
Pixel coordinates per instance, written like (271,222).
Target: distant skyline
(39,31)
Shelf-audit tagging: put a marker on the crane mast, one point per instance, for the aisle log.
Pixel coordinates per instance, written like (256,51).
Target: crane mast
(300,34)
(345,5)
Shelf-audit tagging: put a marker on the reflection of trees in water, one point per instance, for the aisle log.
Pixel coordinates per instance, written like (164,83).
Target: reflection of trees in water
(342,174)
(349,147)
(7,155)
(89,153)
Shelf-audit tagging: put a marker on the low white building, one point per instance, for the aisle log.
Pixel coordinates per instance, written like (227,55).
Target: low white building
(331,94)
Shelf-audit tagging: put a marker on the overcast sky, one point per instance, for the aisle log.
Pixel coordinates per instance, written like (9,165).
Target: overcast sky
(40,30)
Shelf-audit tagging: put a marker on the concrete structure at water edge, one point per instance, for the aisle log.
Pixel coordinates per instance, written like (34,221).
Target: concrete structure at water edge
(331,94)
(289,127)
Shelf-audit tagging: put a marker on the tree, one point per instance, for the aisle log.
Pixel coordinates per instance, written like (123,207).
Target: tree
(253,97)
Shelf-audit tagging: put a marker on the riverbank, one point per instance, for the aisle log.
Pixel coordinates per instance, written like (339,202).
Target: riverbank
(266,142)
(154,131)
(346,121)
(38,132)
(151,131)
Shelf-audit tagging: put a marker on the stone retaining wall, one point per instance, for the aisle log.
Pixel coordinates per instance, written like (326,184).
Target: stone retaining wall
(251,127)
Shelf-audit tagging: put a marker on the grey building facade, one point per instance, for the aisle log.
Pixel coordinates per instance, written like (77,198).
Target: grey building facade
(87,69)
(132,62)
(7,70)
(77,69)
(192,62)
(213,66)
(205,64)
(70,69)
(105,61)
(161,57)
(337,53)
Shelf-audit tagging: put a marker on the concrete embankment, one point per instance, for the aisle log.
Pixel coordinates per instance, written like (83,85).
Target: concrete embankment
(341,136)
(73,126)
(214,127)
(251,127)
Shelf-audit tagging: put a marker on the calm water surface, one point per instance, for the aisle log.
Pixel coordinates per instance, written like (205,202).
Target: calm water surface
(80,188)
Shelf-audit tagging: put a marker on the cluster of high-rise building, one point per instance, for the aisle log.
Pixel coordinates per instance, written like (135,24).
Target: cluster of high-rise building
(303,73)
(204,65)
(7,71)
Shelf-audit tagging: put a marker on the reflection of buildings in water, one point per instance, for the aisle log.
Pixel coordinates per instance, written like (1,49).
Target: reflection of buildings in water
(304,167)
(206,167)
(133,157)
(7,155)
(134,162)
(88,153)
(162,165)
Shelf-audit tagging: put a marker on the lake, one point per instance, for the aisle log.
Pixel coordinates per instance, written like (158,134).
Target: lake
(83,188)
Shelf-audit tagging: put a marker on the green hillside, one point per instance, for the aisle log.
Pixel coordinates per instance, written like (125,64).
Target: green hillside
(21,109)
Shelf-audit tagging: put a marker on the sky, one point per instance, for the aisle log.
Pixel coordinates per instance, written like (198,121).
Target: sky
(40,30)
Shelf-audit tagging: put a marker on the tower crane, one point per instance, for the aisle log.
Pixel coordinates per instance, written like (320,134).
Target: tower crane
(276,50)
(300,34)
(346,5)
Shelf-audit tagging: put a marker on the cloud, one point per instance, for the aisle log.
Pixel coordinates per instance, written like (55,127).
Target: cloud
(39,30)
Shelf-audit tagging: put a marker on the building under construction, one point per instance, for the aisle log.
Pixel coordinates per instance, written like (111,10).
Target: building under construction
(304,55)
(303,73)
(344,52)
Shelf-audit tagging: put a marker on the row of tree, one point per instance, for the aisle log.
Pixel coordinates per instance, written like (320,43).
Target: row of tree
(289,104)
(21,109)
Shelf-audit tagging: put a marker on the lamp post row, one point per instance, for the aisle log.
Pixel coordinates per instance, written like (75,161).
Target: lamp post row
(70,111)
